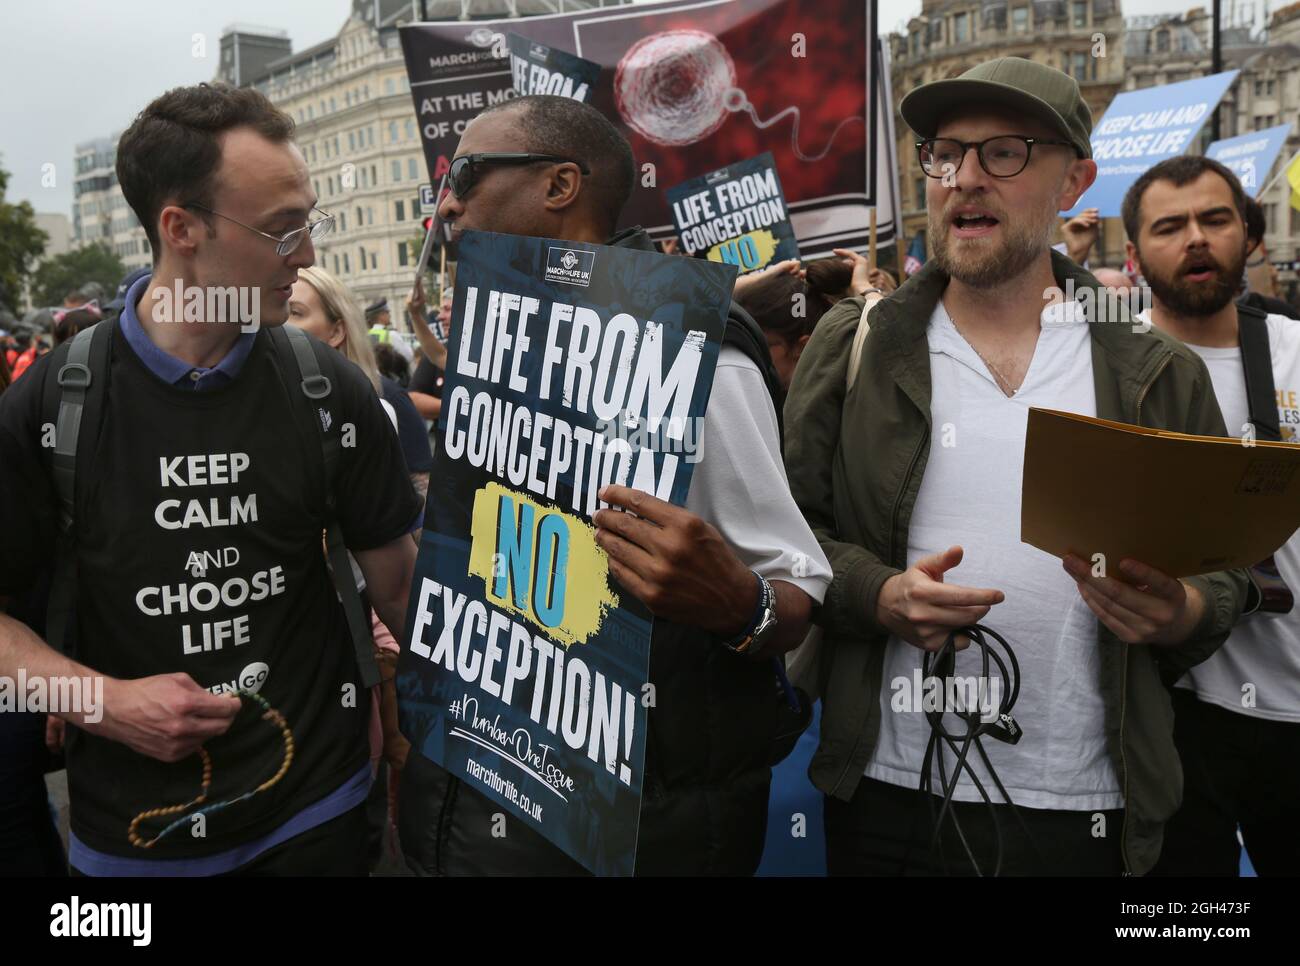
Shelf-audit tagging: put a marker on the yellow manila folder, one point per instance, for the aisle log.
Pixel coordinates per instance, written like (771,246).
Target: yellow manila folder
(1183,504)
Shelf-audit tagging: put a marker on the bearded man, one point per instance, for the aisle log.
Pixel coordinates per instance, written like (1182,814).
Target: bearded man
(911,480)
(1237,716)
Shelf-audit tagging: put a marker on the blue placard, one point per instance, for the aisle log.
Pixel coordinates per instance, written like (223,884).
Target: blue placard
(539,69)
(526,669)
(1251,156)
(1142,128)
(736,215)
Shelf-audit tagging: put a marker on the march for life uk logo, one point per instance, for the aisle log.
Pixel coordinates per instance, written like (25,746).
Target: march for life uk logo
(569,265)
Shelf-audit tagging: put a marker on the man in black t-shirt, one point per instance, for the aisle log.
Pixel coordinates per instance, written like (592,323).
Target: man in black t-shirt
(198,524)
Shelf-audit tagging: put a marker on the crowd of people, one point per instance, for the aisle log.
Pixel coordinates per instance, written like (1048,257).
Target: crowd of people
(830,495)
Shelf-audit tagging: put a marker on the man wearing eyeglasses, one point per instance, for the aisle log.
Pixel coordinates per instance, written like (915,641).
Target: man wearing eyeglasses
(912,483)
(554,167)
(197,524)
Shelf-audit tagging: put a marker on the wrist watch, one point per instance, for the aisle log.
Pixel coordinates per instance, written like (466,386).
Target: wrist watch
(870,291)
(761,626)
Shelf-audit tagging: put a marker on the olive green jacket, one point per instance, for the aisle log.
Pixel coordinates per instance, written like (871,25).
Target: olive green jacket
(855,464)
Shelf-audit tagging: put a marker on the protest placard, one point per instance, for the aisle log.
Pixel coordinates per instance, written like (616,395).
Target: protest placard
(526,669)
(736,215)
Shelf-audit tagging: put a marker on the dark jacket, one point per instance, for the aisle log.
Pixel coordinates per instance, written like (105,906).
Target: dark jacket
(855,465)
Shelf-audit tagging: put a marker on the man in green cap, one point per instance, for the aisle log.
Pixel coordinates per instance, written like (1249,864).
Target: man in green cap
(911,480)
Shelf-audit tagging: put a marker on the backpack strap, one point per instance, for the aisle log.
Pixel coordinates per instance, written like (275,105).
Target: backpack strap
(290,341)
(1257,365)
(859,339)
(73,403)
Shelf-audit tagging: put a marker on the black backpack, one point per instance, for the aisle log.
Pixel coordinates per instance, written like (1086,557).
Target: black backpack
(73,405)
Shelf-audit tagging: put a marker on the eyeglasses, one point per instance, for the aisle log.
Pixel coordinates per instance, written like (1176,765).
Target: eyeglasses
(288,243)
(464,171)
(1004,156)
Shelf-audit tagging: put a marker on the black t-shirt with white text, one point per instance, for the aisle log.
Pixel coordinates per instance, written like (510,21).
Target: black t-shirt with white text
(198,528)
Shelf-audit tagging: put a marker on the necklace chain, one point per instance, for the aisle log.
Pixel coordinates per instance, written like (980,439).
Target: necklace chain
(1003,383)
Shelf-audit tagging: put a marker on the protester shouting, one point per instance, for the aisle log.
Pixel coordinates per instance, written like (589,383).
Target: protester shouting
(911,481)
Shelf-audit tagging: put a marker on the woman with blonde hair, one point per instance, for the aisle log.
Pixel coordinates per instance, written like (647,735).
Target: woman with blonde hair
(323,307)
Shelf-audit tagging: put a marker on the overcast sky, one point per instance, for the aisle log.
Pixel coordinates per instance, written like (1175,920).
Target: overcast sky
(73,70)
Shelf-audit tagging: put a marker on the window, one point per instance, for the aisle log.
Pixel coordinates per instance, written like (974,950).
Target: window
(397,170)
(960,29)
(920,193)
(347,99)
(401,252)
(399,207)
(361,259)
(361,218)
(410,128)
(364,183)
(352,140)
(333,105)
(392,131)
(347,267)
(1162,41)
(1079,9)
(374,260)
(374,175)
(336,264)
(412,170)
(370,215)
(1078,66)
(343,221)
(1020,20)
(330,182)
(388,89)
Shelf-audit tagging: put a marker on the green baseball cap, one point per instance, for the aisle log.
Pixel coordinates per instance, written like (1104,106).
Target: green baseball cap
(1019,85)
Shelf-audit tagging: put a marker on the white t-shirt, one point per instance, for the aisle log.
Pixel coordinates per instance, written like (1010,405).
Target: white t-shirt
(970,496)
(739,484)
(1257,670)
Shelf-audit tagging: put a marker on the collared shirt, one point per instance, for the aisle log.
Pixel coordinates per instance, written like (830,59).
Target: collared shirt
(167,367)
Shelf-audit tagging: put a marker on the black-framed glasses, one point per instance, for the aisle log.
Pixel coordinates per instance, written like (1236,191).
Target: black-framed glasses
(464,171)
(287,243)
(1004,156)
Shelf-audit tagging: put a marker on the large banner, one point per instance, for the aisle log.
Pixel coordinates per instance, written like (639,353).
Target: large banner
(1250,156)
(526,669)
(695,86)
(1141,129)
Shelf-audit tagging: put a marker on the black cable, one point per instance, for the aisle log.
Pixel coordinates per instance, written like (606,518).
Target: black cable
(941,664)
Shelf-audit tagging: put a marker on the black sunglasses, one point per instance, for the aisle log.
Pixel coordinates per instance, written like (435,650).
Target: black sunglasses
(464,171)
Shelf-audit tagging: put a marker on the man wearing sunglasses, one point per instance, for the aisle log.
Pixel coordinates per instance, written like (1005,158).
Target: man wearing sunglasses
(912,482)
(554,167)
(204,479)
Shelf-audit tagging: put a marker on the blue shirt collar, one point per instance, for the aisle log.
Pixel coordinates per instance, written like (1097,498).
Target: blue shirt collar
(167,367)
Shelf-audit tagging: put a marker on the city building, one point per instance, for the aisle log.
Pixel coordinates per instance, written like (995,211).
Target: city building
(58,232)
(100,213)
(1165,49)
(1084,38)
